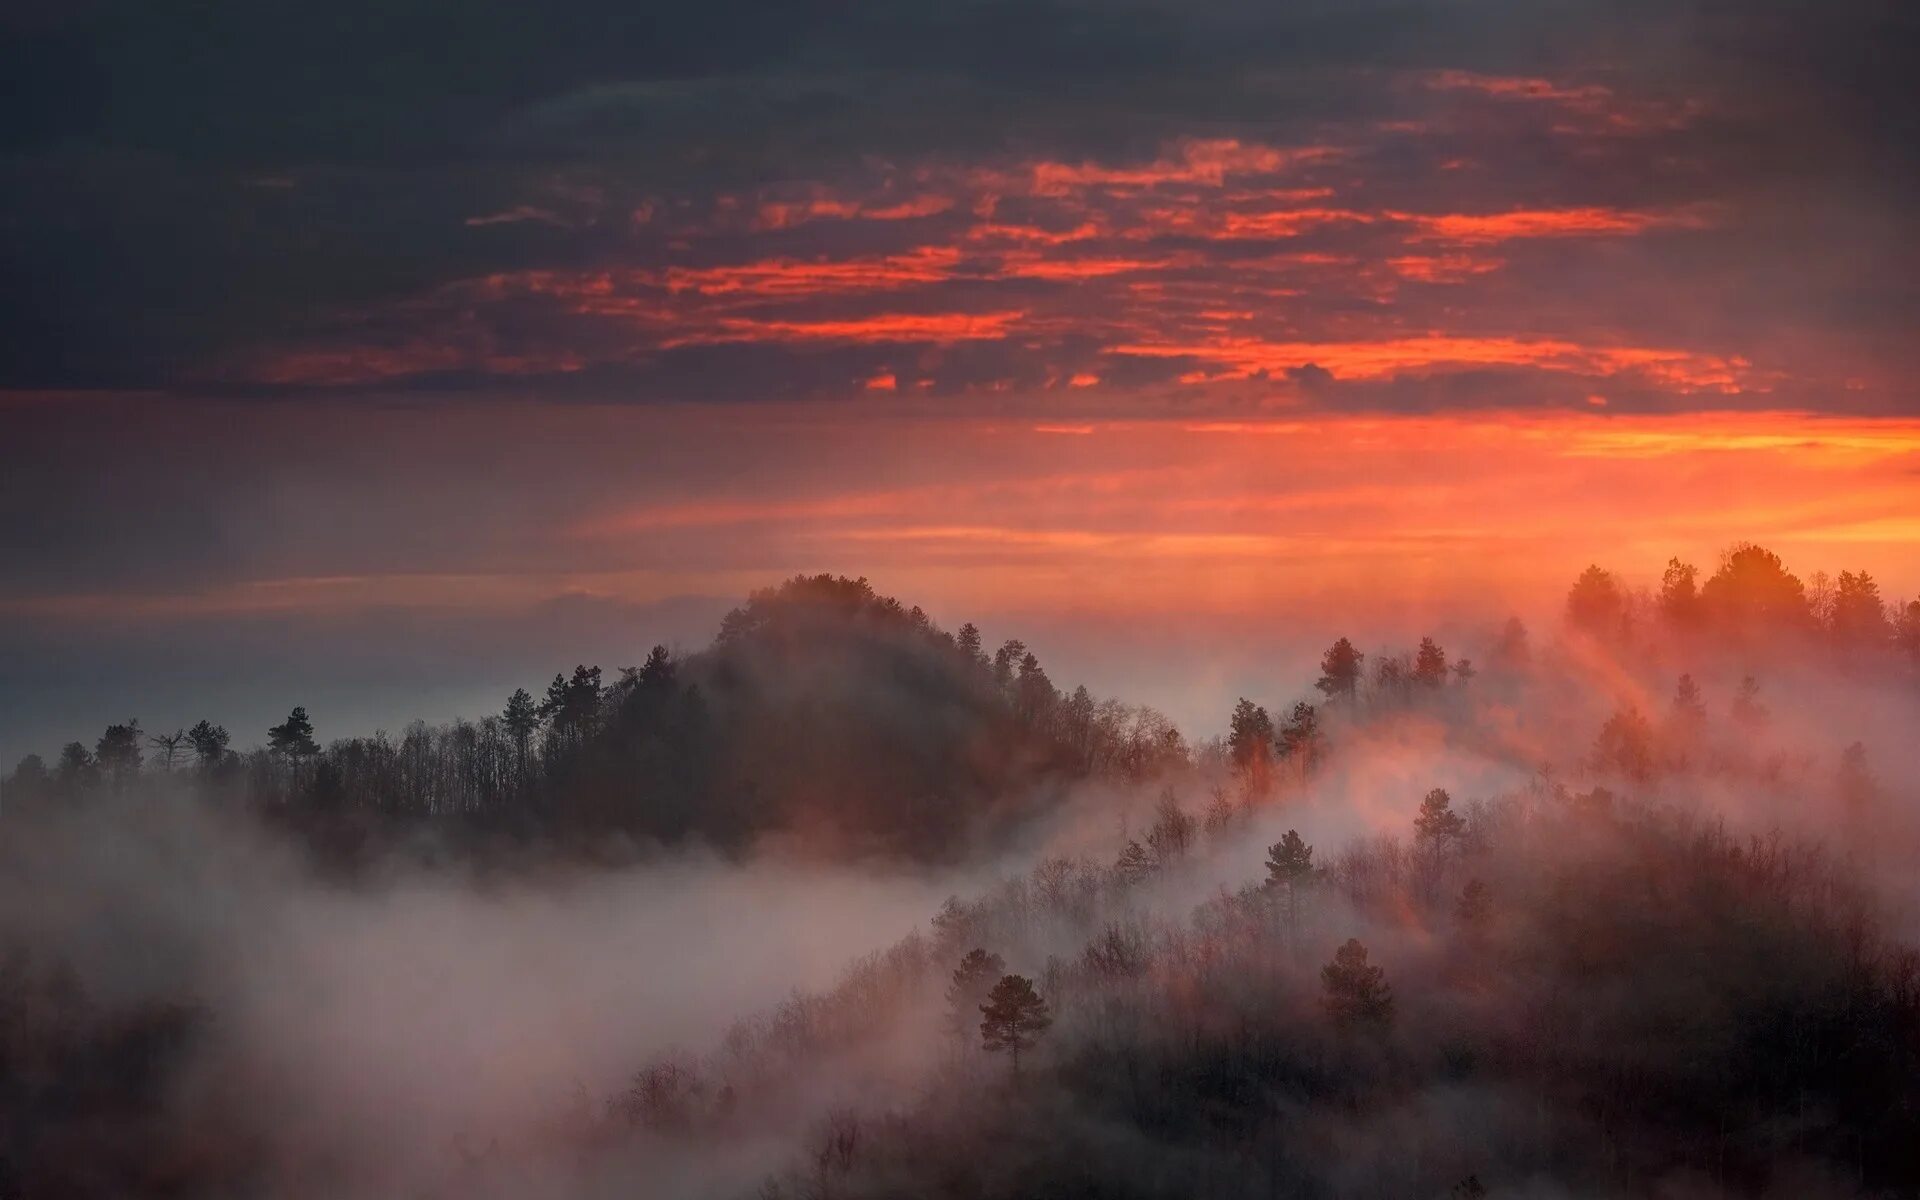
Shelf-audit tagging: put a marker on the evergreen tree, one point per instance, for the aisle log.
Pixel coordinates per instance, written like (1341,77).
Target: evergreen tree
(1340,670)
(1474,906)
(1357,995)
(1680,594)
(1596,605)
(1289,861)
(1289,870)
(1300,738)
(1249,736)
(1013,1018)
(1133,865)
(972,980)
(209,743)
(293,737)
(118,753)
(1747,710)
(1438,827)
(1430,664)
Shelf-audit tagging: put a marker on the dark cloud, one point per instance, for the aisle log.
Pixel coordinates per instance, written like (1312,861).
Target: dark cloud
(183,188)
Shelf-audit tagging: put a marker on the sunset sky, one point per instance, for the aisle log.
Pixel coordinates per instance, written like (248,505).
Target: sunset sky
(381,356)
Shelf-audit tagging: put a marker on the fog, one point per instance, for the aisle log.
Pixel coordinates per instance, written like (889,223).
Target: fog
(701,933)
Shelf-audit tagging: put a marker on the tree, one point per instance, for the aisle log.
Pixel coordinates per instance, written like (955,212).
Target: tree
(1747,710)
(1906,633)
(1596,604)
(1430,664)
(167,747)
(1340,670)
(1625,744)
(1511,651)
(521,718)
(1463,671)
(293,737)
(972,980)
(1249,736)
(1437,826)
(1133,865)
(29,779)
(76,772)
(1300,737)
(1290,868)
(1689,715)
(1753,594)
(658,673)
(1289,861)
(1033,693)
(1474,906)
(1858,620)
(1005,659)
(968,641)
(1013,1018)
(118,753)
(1357,995)
(209,743)
(1680,594)
(1173,830)
(1855,783)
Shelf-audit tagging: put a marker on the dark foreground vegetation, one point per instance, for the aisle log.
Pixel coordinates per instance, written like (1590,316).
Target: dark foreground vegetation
(1624,910)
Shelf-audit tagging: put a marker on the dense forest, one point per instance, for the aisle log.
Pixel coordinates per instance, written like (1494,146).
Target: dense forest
(1619,906)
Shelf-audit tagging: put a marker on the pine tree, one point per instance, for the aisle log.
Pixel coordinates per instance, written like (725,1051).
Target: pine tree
(1438,826)
(1013,1017)
(209,743)
(1134,864)
(294,737)
(1249,736)
(972,980)
(1289,869)
(1356,994)
(1430,664)
(1340,670)
(1474,906)
(1289,861)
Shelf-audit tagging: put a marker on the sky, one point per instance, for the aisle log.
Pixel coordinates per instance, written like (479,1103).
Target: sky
(384,356)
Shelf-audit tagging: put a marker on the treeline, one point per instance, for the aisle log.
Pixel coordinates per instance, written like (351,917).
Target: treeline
(1545,985)
(822,710)
(1752,602)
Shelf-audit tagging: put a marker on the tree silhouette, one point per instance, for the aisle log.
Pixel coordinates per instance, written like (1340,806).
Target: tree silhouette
(1289,861)
(1906,633)
(118,753)
(1474,906)
(1249,736)
(1355,994)
(1134,864)
(1430,664)
(1512,652)
(972,980)
(1596,604)
(1290,868)
(209,743)
(1747,710)
(1858,621)
(1340,670)
(1437,826)
(1680,594)
(167,747)
(1625,744)
(1013,1017)
(293,737)
(1300,738)
(1753,594)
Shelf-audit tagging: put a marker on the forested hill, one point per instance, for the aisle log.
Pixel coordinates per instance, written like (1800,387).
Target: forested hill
(823,713)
